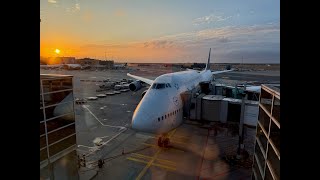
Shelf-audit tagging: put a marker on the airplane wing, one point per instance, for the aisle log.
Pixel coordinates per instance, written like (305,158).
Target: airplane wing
(148,81)
(218,72)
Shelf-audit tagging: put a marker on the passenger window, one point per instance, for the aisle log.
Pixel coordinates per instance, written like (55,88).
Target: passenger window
(165,116)
(166,85)
(158,119)
(169,85)
(162,117)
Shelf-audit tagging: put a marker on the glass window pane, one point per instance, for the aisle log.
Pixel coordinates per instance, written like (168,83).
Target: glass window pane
(268,175)
(275,135)
(59,110)
(60,122)
(259,155)
(57,84)
(256,169)
(41,115)
(264,119)
(274,161)
(60,134)
(56,148)
(43,154)
(266,99)
(276,109)
(262,138)
(55,98)
(43,142)
(42,128)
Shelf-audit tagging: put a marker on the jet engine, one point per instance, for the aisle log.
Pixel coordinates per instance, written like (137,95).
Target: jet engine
(143,93)
(135,86)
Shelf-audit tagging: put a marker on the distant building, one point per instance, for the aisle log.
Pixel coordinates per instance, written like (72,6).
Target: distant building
(266,163)
(67,60)
(58,157)
(107,64)
(88,61)
(95,63)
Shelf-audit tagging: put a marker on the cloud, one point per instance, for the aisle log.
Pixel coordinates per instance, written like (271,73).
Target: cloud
(74,8)
(209,19)
(257,43)
(52,1)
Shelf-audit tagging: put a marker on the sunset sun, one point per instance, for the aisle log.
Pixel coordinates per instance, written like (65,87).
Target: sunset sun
(57,51)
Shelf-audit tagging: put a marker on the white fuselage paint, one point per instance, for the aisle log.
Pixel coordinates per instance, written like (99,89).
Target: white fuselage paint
(160,110)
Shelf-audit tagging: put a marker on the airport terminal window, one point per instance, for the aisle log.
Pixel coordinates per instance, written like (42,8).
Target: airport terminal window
(55,98)
(264,119)
(256,169)
(41,115)
(266,100)
(61,133)
(43,142)
(62,145)
(274,161)
(276,109)
(259,155)
(43,154)
(42,128)
(262,138)
(268,175)
(64,108)
(60,122)
(275,135)
(50,85)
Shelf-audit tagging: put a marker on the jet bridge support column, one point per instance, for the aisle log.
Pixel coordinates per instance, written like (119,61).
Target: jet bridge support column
(241,132)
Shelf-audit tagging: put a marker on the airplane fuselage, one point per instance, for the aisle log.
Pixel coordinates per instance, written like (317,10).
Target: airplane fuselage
(160,109)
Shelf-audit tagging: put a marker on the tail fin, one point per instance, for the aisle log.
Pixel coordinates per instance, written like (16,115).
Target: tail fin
(208,63)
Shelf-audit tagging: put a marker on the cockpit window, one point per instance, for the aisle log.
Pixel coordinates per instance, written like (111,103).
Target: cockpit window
(159,86)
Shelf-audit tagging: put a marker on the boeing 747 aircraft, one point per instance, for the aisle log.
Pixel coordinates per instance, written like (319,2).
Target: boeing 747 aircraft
(160,109)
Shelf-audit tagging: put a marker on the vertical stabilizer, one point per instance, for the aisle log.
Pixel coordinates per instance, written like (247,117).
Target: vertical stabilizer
(208,63)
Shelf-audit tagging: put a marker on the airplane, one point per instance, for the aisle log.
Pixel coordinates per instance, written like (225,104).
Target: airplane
(160,109)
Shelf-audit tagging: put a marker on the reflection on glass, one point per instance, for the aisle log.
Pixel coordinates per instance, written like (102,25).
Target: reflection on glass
(275,135)
(266,99)
(43,155)
(260,156)
(55,98)
(262,138)
(256,169)
(274,161)
(264,119)
(43,142)
(60,146)
(276,109)
(60,134)
(42,128)
(50,85)
(60,122)
(58,110)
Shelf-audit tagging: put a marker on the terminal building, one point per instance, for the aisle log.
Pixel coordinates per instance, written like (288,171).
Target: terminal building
(266,163)
(58,157)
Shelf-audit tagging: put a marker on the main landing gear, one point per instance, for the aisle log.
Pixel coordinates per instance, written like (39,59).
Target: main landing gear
(163,141)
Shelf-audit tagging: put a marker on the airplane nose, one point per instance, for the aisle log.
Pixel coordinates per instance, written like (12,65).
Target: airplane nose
(142,121)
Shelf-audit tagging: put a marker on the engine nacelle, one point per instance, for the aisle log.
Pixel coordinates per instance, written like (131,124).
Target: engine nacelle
(143,93)
(135,86)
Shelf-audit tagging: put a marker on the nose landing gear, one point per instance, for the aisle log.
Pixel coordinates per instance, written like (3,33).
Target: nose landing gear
(163,141)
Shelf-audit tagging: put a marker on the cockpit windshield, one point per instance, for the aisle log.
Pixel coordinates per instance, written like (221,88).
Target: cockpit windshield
(160,85)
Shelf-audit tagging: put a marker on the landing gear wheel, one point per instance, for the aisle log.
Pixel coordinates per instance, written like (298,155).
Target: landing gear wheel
(166,142)
(160,143)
